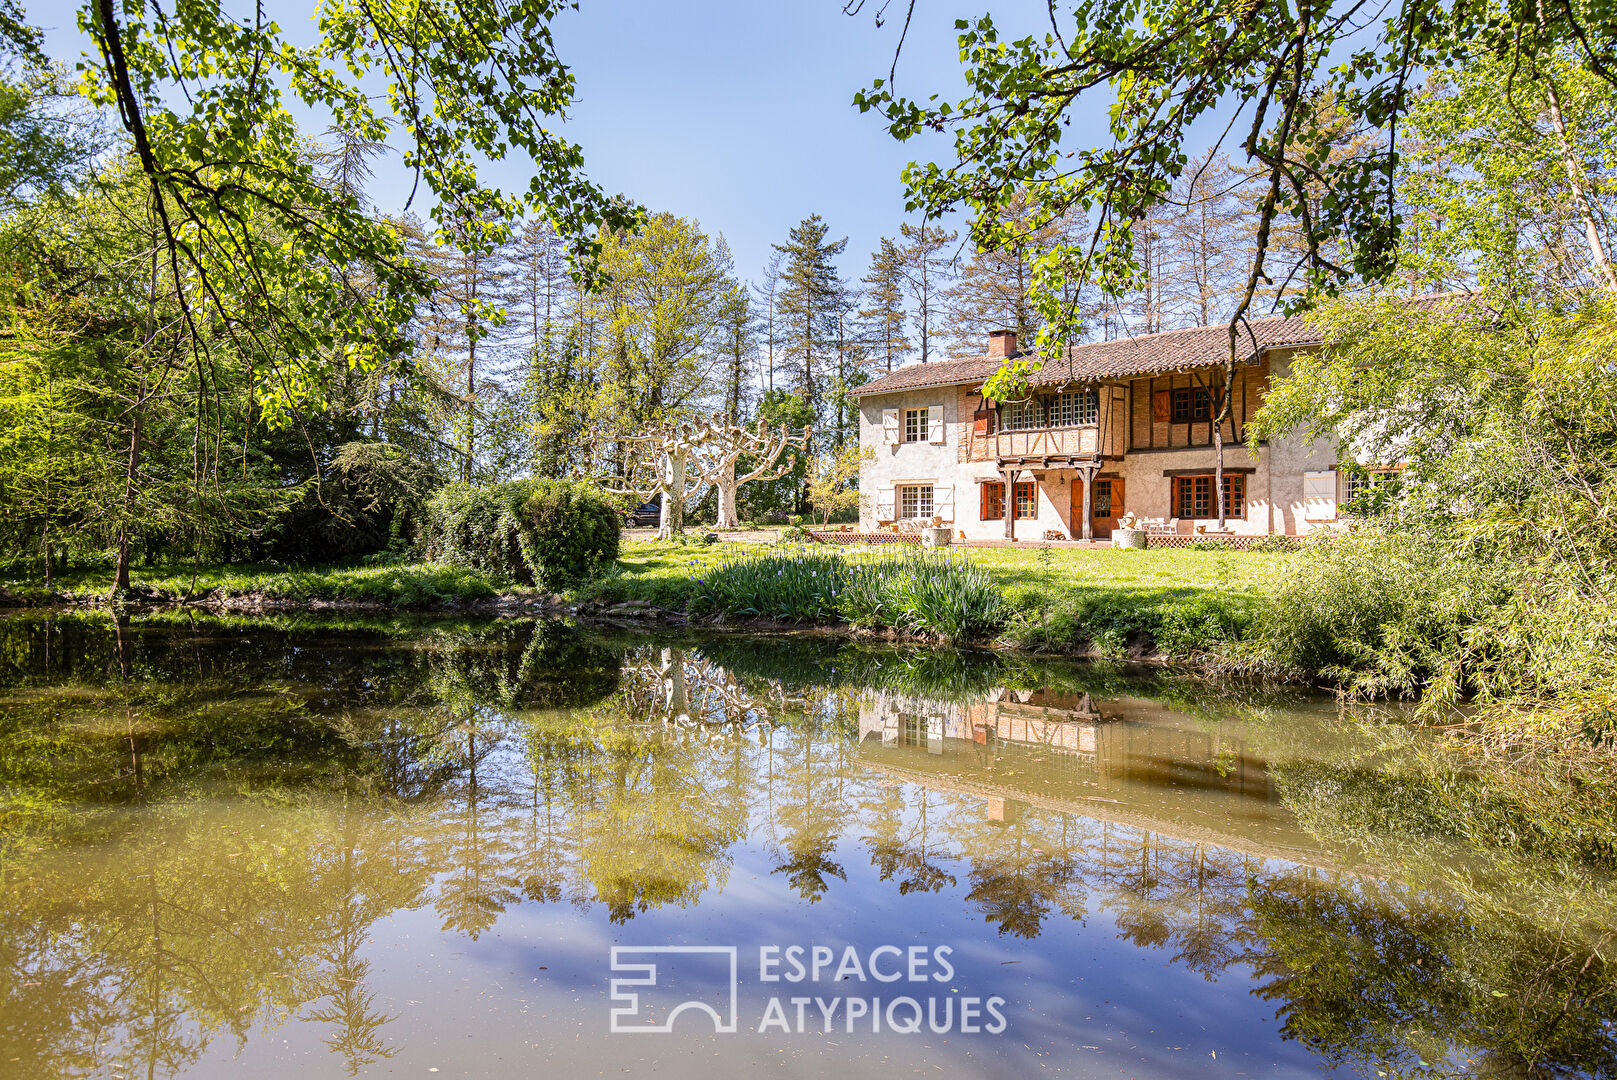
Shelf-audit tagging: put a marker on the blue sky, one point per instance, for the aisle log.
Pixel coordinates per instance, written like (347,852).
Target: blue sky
(735,112)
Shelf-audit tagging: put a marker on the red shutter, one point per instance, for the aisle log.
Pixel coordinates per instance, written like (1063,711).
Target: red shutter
(1161,407)
(1117,498)
(982,509)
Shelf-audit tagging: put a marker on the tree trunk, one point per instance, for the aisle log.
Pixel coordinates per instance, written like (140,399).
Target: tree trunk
(728,518)
(1576,181)
(1225,397)
(120,575)
(671,519)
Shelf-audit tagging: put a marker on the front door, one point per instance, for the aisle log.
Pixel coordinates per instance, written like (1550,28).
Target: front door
(1108,505)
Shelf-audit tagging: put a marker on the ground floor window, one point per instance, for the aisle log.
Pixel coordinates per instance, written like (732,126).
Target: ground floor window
(993,502)
(1027,500)
(915,501)
(1365,490)
(1193,496)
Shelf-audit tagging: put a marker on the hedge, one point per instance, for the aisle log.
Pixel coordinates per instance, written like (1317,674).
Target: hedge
(548,533)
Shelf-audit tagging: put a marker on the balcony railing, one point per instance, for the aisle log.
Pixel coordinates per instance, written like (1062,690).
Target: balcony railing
(1077,441)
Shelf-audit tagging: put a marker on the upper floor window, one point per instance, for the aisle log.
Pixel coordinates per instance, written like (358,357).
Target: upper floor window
(1074,407)
(1190,404)
(918,425)
(1061,410)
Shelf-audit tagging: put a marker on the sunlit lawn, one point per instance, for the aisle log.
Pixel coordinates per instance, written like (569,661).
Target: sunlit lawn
(657,566)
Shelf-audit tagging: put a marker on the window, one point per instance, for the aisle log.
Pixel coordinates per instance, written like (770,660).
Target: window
(1062,410)
(917,425)
(1021,415)
(1193,496)
(1027,500)
(1365,491)
(1077,407)
(1103,498)
(993,502)
(915,501)
(1192,404)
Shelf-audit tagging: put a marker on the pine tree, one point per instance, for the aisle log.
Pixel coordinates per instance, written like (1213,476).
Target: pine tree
(809,304)
(926,275)
(738,343)
(884,316)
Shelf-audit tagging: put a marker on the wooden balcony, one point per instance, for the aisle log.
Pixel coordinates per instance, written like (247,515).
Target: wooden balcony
(1049,447)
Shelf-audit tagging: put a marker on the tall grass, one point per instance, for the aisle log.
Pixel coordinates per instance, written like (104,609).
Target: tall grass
(946,596)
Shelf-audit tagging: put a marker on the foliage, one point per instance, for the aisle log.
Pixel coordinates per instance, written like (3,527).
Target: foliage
(833,479)
(1488,574)
(1311,94)
(935,595)
(547,533)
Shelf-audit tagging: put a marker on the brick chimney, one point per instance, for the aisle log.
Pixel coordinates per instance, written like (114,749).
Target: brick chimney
(1001,343)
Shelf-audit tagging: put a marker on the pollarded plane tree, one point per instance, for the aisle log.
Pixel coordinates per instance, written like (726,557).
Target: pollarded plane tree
(657,464)
(722,447)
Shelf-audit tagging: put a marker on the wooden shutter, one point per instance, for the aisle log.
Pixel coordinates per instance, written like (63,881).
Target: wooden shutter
(1117,498)
(934,423)
(1161,407)
(889,425)
(982,422)
(982,502)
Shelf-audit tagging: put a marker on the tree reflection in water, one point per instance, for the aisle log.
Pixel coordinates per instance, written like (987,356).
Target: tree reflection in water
(203,825)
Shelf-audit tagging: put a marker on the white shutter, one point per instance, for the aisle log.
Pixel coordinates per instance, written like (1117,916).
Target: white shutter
(1319,496)
(889,426)
(934,420)
(884,504)
(943,501)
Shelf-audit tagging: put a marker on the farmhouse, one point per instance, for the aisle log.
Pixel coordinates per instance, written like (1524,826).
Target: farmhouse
(1110,428)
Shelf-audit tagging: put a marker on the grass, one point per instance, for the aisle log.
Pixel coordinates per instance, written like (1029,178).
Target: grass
(1110,601)
(395,584)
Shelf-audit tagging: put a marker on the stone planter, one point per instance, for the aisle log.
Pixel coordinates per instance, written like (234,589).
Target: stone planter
(1128,538)
(936,537)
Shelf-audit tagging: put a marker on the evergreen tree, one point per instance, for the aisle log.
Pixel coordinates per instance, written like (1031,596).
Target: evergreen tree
(926,275)
(810,304)
(884,315)
(738,341)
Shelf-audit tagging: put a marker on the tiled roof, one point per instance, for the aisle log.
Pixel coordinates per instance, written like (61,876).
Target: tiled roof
(1150,354)
(1158,354)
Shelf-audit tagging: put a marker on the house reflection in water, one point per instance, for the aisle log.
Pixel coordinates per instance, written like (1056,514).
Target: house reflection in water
(1126,760)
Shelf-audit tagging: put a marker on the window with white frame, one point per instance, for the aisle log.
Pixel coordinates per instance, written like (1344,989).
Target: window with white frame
(915,501)
(917,425)
(1021,415)
(1073,408)
(1364,490)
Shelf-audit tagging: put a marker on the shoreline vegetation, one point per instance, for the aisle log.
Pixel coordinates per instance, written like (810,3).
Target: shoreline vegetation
(1217,613)
(1107,603)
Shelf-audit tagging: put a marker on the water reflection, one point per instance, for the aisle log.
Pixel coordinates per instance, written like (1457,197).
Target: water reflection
(210,832)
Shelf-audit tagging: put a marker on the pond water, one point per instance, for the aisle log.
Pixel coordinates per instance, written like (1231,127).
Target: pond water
(519,849)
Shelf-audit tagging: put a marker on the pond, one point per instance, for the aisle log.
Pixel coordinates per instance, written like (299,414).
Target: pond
(516,848)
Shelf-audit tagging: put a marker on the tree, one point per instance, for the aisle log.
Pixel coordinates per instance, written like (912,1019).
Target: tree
(770,497)
(1200,230)
(884,316)
(656,464)
(719,444)
(1268,67)
(810,304)
(833,479)
(925,272)
(738,341)
(994,291)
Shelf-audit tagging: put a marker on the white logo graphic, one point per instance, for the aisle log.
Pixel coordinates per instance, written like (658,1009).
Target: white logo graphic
(720,961)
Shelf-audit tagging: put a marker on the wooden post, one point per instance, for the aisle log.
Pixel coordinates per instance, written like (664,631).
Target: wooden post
(1088,475)
(1009,479)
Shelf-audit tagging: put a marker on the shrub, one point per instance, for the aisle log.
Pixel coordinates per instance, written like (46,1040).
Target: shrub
(549,533)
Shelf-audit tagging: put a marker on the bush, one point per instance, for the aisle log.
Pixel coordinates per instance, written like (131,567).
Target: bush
(548,533)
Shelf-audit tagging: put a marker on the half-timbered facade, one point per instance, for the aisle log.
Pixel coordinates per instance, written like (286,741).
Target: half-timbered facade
(1109,428)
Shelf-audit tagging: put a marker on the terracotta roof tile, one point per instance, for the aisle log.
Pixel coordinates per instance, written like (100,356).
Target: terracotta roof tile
(1149,354)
